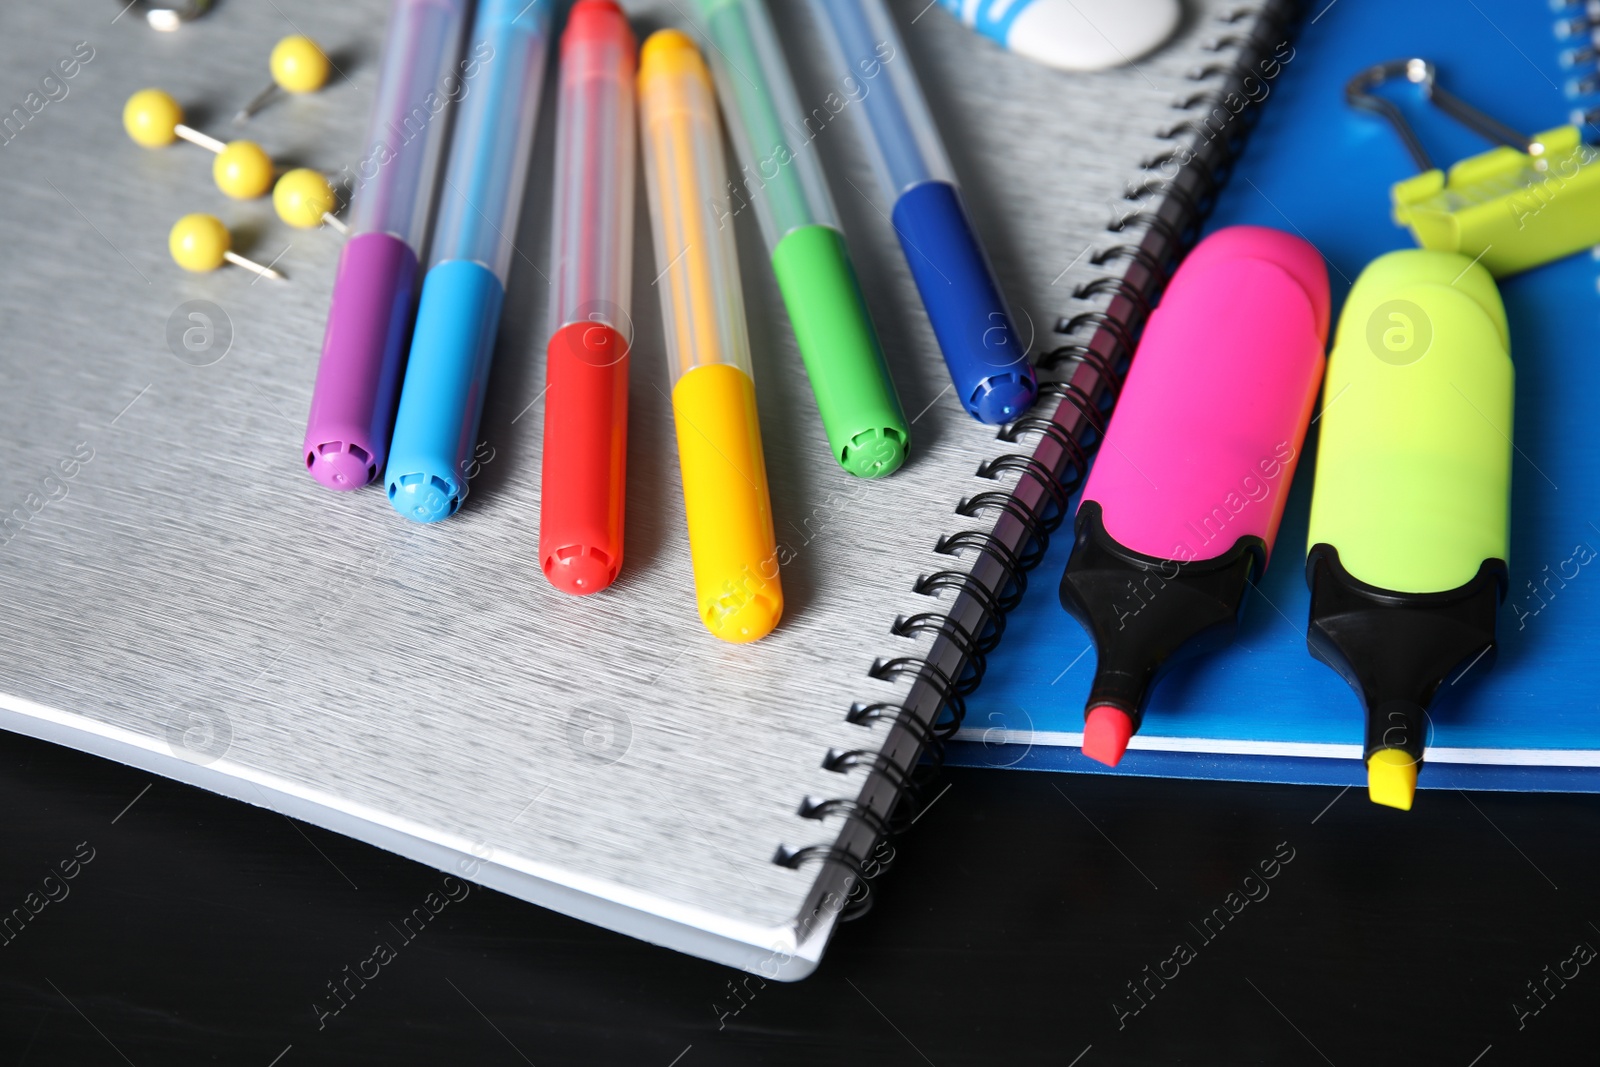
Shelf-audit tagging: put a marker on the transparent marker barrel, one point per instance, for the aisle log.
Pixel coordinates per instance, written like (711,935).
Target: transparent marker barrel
(489,155)
(729,511)
(374,293)
(782,177)
(422,80)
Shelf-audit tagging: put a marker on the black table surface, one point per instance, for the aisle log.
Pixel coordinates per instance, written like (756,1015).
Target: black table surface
(1027,918)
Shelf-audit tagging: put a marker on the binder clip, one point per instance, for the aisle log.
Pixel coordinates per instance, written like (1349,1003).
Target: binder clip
(1522,204)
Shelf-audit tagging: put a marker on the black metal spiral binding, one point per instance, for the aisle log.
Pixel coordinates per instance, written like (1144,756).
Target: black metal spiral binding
(1134,252)
(984,541)
(1165,189)
(1116,286)
(1578,25)
(962,582)
(939,623)
(1035,544)
(813,808)
(841,760)
(1116,328)
(1578,19)
(1094,412)
(1107,367)
(975,652)
(1042,476)
(952,691)
(1164,226)
(956,687)
(1167,212)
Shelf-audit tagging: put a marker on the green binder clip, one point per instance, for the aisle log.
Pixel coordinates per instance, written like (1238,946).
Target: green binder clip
(1522,204)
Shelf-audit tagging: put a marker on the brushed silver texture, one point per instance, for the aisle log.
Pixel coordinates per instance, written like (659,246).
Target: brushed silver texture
(189,601)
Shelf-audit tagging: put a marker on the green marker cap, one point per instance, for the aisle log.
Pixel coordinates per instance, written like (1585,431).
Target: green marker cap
(861,413)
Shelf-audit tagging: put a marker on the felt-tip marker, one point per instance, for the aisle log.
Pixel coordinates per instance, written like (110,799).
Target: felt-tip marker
(732,541)
(990,371)
(1184,500)
(374,292)
(867,430)
(441,401)
(586,396)
(1410,513)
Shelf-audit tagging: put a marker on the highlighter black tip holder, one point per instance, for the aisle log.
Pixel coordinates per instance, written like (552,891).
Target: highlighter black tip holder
(1145,613)
(1397,649)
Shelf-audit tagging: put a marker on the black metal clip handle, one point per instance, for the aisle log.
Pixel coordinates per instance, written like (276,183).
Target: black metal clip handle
(1358,93)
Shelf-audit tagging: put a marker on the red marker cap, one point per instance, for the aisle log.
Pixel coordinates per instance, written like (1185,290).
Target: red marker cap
(585,453)
(592,22)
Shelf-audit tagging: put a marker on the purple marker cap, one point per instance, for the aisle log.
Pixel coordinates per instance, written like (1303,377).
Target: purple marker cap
(369,326)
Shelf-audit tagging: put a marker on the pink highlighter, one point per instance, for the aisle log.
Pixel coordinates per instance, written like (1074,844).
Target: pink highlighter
(1182,506)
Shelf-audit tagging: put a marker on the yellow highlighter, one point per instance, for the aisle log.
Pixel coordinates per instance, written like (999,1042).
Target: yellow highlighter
(731,537)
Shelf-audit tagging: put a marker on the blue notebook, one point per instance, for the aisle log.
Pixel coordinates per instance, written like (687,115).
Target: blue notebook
(1264,710)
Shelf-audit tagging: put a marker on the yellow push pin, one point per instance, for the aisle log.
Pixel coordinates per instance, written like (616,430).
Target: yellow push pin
(242,170)
(154,119)
(304,199)
(299,65)
(199,243)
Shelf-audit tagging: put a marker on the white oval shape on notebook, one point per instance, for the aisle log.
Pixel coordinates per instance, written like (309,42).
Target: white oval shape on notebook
(1073,34)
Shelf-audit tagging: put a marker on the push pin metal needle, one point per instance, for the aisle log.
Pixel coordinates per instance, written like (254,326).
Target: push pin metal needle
(242,169)
(200,243)
(298,64)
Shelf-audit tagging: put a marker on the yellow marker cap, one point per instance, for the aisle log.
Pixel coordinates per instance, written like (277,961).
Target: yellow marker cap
(731,537)
(671,52)
(1392,778)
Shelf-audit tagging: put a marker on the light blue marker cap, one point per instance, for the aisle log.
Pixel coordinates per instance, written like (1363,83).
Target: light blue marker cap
(441,403)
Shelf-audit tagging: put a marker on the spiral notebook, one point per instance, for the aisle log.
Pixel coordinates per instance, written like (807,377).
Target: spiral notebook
(1263,710)
(181,597)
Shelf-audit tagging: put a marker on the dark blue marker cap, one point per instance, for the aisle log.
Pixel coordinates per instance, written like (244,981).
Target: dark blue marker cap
(988,365)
